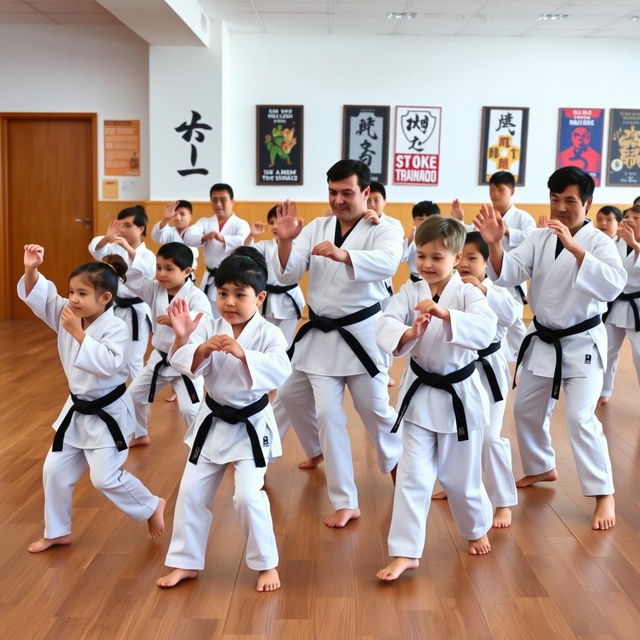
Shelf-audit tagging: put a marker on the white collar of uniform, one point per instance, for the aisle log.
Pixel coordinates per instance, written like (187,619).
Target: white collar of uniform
(103,319)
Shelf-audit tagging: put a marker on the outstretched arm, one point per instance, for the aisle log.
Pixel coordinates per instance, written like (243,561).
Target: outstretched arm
(33,258)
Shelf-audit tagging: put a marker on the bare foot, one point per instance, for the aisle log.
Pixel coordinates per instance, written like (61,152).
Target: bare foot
(502,518)
(397,567)
(177,575)
(311,463)
(547,476)
(603,401)
(480,546)
(268,580)
(156,521)
(341,517)
(392,382)
(604,515)
(44,543)
(140,442)
(172,398)
(439,495)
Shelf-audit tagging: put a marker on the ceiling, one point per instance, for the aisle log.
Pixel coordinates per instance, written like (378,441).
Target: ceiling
(586,18)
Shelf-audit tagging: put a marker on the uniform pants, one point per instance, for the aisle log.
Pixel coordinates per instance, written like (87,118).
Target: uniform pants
(326,431)
(136,349)
(139,390)
(193,516)
(532,410)
(615,337)
(515,334)
(425,456)
(496,452)
(63,469)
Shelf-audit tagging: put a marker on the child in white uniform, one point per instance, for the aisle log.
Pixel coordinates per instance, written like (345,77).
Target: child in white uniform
(283,304)
(622,318)
(97,421)
(242,357)
(176,218)
(172,280)
(419,213)
(130,225)
(574,269)
(442,322)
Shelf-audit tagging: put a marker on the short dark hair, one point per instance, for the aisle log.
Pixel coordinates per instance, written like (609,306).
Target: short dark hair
(138,214)
(503,177)
(221,186)
(634,209)
(103,276)
(425,208)
(184,204)
(609,210)
(272,213)
(246,266)
(475,238)
(378,187)
(180,254)
(346,168)
(566,176)
(636,201)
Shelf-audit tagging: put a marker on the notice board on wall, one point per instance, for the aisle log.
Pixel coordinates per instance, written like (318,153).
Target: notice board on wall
(122,147)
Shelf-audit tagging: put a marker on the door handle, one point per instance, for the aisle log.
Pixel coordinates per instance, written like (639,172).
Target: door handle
(83,220)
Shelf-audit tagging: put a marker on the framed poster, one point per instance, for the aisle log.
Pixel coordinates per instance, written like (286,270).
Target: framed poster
(365,137)
(416,156)
(279,144)
(503,143)
(623,161)
(580,134)
(122,147)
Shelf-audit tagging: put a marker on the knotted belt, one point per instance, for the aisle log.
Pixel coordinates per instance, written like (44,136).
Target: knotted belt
(520,292)
(210,278)
(631,299)
(129,303)
(93,408)
(232,416)
(191,390)
(488,369)
(337,324)
(438,381)
(553,336)
(275,288)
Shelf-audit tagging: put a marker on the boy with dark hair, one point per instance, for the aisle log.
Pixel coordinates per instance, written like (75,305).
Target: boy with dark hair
(219,234)
(442,323)
(574,270)
(607,220)
(176,218)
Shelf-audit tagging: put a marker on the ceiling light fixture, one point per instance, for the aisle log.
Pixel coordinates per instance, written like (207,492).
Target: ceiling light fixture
(401,15)
(634,18)
(545,17)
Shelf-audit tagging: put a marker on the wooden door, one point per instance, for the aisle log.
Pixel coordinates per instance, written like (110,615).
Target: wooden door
(49,176)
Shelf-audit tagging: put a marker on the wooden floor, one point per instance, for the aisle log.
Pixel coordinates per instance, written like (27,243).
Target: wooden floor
(548,577)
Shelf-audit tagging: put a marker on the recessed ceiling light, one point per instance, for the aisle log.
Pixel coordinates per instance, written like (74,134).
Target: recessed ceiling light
(544,17)
(635,18)
(401,15)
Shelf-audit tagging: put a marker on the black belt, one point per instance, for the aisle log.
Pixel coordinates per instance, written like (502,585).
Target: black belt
(274,288)
(552,336)
(414,278)
(520,292)
(93,408)
(210,278)
(388,288)
(191,390)
(232,416)
(445,383)
(488,369)
(129,303)
(336,324)
(631,299)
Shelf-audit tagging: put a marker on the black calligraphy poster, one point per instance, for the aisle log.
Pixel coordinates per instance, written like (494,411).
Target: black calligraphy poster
(503,143)
(279,144)
(365,137)
(623,164)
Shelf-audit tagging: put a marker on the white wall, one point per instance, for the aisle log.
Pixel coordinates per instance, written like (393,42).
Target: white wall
(461,74)
(101,69)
